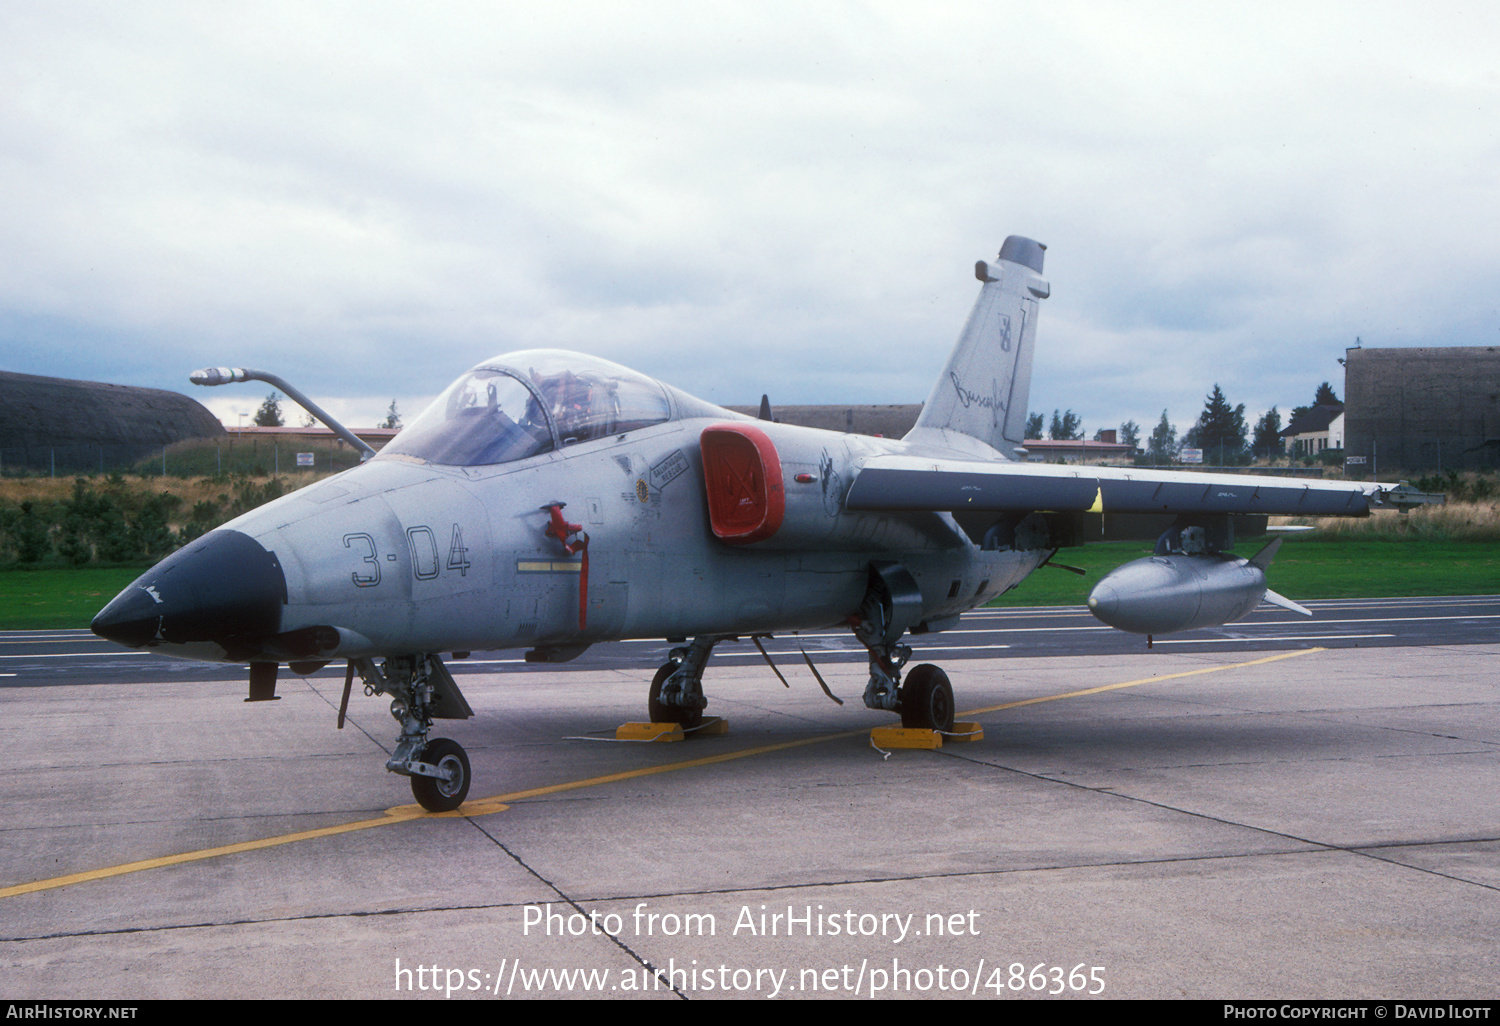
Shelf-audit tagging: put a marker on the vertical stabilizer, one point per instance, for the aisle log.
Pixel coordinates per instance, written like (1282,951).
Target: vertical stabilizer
(984,389)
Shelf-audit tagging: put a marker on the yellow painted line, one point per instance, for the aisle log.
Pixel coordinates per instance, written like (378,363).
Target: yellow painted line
(398,815)
(403,814)
(501,802)
(482,805)
(1144,680)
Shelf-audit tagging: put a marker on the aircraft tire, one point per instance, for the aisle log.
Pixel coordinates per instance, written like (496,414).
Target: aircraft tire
(663,713)
(436,795)
(927,699)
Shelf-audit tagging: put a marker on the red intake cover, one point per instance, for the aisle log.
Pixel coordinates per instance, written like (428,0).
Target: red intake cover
(746,500)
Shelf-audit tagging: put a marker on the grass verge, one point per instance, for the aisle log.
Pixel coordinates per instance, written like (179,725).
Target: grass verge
(1307,567)
(50,598)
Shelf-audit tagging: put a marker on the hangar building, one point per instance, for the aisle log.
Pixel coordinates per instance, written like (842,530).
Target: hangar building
(1422,410)
(885,421)
(79,425)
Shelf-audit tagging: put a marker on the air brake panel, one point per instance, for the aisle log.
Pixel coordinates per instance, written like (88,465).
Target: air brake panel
(746,500)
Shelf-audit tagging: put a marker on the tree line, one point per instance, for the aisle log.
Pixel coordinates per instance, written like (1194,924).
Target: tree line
(270,415)
(1220,431)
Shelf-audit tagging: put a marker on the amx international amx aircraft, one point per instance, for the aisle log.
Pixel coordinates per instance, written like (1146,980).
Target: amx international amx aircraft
(550,501)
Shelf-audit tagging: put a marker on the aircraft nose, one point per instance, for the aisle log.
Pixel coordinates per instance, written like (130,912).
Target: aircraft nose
(224,588)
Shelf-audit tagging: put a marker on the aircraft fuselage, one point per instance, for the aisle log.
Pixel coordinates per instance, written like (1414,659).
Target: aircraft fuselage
(401,556)
(550,500)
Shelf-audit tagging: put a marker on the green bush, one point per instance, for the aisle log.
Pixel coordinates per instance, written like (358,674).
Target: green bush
(1459,487)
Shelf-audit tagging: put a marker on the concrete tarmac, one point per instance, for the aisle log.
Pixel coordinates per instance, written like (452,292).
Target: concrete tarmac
(1292,825)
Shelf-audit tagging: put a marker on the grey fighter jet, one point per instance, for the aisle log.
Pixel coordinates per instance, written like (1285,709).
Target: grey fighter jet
(550,501)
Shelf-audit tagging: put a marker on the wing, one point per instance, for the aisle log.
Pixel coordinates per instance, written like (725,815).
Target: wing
(893,483)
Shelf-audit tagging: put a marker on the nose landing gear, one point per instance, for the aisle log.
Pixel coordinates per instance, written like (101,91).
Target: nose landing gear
(422,690)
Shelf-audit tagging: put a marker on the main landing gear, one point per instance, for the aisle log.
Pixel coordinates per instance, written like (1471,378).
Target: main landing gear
(677,689)
(927,699)
(422,690)
(891,605)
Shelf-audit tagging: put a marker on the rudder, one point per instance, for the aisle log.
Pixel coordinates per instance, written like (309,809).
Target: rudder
(984,389)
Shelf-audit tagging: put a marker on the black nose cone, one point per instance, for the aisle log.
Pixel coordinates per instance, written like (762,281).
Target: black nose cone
(224,588)
(132,618)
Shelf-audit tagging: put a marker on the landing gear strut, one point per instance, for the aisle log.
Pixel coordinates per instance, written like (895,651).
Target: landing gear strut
(677,689)
(422,690)
(891,605)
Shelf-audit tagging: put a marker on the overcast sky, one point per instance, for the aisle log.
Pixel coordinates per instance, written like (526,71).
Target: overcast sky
(369,198)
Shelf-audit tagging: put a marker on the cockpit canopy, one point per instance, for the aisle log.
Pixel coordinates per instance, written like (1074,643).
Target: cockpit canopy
(530,402)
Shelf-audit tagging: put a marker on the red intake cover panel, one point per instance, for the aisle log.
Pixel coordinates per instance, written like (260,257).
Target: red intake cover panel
(742,472)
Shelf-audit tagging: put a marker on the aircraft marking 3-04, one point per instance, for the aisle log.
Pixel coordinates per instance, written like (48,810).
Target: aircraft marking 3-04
(550,501)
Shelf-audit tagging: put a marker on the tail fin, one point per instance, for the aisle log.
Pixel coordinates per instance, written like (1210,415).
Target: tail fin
(985,387)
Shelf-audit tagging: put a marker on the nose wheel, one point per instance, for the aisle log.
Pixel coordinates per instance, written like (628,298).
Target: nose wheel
(447,790)
(422,689)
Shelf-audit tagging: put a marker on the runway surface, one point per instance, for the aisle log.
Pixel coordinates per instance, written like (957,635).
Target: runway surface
(42,658)
(1311,816)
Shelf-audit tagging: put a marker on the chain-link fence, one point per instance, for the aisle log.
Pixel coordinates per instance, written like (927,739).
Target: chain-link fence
(229,454)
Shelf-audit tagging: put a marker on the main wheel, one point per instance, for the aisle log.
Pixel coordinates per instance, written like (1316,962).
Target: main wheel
(660,712)
(435,794)
(927,699)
